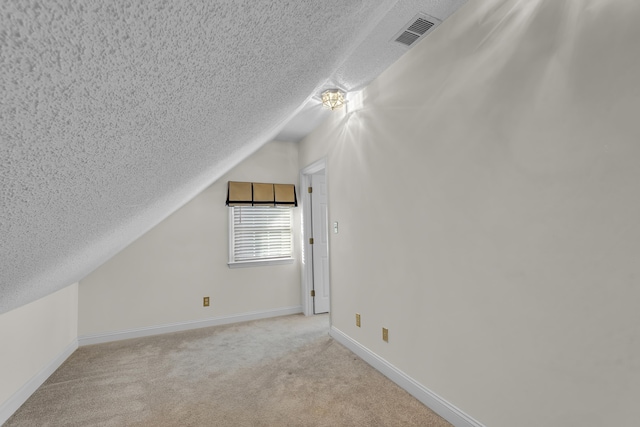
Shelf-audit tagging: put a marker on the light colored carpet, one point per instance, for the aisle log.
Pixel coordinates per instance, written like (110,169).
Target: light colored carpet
(285,371)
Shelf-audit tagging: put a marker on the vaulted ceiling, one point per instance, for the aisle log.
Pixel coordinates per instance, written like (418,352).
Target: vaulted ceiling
(115,113)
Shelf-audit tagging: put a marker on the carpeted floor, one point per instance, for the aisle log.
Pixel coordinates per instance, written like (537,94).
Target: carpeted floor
(284,371)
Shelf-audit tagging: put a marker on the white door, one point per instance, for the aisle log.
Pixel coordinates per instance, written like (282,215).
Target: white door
(320,247)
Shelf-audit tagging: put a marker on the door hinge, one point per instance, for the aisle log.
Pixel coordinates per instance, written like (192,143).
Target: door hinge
(313,293)
(310,190)
(311,240)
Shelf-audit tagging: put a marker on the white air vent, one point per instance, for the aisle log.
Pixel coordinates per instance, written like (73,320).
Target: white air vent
(418,27)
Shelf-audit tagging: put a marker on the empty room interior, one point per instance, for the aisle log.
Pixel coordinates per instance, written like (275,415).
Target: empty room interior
(460,180)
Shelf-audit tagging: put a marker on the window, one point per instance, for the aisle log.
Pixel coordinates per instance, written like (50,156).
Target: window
(260,235)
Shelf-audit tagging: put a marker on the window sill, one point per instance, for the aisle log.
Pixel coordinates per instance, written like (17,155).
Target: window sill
(260,263)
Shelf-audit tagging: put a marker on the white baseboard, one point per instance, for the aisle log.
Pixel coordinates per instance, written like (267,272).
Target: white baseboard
(436,403)
(184,326)
(11,405)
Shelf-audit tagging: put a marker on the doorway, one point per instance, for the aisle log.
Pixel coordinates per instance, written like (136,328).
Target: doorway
(315,286)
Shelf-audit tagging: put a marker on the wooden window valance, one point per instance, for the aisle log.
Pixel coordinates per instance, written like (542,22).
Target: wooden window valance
(260,194)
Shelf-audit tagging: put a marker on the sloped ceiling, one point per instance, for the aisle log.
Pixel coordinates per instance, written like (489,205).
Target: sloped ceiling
(116,113)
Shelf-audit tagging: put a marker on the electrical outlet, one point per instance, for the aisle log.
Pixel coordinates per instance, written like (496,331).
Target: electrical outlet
(358,320)
(205,302)
(385,335)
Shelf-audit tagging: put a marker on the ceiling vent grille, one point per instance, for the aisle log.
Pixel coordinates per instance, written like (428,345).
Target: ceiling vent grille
(418,27)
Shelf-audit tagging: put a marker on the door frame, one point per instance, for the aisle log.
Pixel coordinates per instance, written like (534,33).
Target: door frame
(307,261)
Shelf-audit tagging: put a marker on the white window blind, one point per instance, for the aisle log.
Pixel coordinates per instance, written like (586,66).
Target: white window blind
(260,233)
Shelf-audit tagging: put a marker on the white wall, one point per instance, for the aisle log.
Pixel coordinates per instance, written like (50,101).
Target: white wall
(35,339)
(488,195)
(162,277)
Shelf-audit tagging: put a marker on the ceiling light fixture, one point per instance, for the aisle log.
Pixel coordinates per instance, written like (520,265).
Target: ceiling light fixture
(333,99)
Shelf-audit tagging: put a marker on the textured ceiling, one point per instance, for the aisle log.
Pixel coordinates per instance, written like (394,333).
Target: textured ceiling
(116,113)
